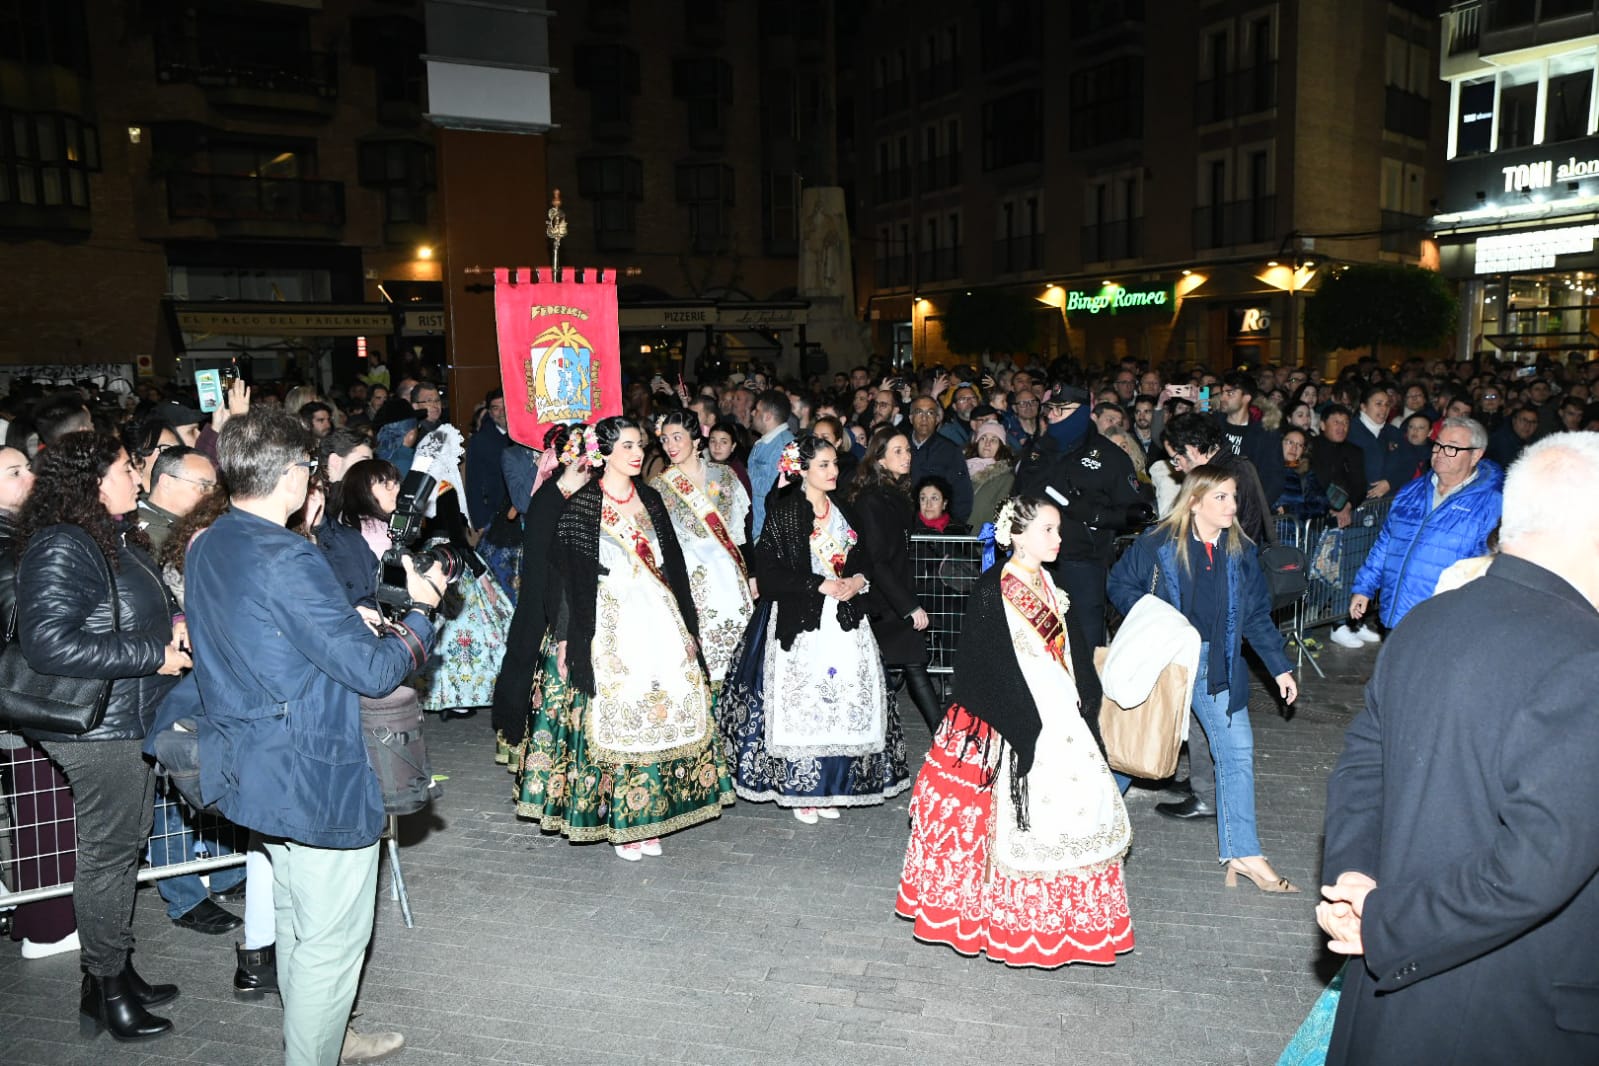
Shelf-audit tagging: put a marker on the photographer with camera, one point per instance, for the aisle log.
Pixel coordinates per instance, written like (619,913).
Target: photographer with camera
(280,658)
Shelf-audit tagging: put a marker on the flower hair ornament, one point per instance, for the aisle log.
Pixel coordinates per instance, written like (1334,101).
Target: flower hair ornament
(573,450)
(788,464)
(591,449)
(1002,523)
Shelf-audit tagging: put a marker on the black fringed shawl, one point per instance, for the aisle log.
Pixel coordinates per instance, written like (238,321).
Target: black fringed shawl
(989,683)
(573,587)
(783,569)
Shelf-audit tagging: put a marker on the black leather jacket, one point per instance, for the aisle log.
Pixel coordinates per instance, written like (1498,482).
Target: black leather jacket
(8,570)
(65,627)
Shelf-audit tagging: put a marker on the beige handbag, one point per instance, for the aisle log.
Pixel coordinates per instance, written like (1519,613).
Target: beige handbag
(1143,741)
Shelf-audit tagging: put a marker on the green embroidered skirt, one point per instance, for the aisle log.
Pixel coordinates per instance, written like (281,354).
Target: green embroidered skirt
(564,790)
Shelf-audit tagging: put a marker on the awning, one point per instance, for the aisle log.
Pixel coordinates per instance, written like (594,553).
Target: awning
(203,325)
(699,314)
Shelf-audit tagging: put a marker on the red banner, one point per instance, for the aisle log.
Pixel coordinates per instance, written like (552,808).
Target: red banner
(560,353)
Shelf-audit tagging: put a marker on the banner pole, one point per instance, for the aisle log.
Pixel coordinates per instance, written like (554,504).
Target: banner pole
(555,230)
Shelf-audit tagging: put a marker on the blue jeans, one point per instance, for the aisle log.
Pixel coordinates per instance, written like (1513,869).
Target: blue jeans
(172,840)
(1229,769)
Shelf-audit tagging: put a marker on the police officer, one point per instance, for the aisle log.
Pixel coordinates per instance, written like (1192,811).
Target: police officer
(1093,483)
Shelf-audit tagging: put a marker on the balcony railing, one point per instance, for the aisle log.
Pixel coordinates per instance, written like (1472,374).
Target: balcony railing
(1237,222)
(941,172)
(1024,252)
(1407,113)
(1402,232)
(1463,27)
(309,73)
(1121,239)
(939,264)
(894,184)
(1241,92)
(225,197)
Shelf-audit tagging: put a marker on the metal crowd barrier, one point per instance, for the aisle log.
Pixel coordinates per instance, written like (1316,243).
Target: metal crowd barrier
(38,831)
(946,568)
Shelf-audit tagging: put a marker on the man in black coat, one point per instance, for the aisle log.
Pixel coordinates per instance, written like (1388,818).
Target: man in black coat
(1460,829)
(1336,460)
(1247,438)
(933,455)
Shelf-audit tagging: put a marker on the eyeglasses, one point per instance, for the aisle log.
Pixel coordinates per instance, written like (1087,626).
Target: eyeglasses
(309,464)
(924,412)
(1452,450)
(205,483)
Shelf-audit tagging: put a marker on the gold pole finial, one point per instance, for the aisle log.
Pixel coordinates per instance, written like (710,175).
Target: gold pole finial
(555,230)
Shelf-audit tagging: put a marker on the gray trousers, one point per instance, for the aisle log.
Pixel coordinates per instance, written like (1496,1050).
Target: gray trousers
(113,789)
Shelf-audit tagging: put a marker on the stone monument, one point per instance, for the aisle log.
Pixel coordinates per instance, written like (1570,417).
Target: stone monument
(827,281)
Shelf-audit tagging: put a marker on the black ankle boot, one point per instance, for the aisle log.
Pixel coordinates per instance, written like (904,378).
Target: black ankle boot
(147,994)
(109,1003)
(924,696)
(257,973)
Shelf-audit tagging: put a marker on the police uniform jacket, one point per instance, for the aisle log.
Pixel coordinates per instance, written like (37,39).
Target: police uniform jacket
(1097,479)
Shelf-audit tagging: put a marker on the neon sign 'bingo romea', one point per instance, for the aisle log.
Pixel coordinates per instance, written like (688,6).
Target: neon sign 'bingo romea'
(1114,298)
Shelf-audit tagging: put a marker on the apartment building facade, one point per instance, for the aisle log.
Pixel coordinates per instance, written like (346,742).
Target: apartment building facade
(1209,160)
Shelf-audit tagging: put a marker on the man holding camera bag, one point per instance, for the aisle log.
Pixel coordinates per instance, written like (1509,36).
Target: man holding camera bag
(280,659)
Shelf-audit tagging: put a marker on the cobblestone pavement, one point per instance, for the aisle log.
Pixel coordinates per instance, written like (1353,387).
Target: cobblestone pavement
(758,940)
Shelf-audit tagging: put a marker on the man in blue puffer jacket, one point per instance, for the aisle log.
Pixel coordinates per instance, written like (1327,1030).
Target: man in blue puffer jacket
(1435,521)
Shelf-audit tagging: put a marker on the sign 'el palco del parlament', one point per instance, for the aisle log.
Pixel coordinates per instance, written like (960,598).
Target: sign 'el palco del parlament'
(1532,250)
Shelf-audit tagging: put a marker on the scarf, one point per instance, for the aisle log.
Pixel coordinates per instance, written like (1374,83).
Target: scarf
(1071,429)
(937,525)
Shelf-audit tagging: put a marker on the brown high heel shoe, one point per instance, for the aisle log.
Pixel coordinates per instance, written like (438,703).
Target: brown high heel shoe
(1282,884)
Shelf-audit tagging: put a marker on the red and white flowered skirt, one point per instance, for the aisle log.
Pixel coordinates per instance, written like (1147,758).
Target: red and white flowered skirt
(949,890)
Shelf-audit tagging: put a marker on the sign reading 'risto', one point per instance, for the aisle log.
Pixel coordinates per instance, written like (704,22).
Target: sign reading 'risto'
(1115,298)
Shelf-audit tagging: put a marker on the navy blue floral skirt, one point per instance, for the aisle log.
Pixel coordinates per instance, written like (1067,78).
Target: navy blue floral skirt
(828,781)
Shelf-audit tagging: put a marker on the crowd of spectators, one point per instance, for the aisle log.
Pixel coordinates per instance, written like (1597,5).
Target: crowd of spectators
(133,479)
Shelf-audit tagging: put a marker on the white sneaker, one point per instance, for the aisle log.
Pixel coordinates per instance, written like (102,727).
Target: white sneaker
(807,815)
(651,846)
(33,949)
(1345,637)
(630,852)
(1369,635)
(830,813)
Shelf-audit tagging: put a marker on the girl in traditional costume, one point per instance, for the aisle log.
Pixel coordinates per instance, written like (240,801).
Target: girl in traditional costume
(806,713)
(621,745)
(709,509)
(1017,827)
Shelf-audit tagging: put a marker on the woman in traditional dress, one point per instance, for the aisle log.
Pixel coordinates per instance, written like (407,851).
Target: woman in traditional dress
(708,508)
(470,644)
(563,468)
(1017,827)
(806,713)
(621,745)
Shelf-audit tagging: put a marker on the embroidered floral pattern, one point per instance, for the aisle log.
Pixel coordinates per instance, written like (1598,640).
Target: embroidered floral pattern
(561,787)
(958,895)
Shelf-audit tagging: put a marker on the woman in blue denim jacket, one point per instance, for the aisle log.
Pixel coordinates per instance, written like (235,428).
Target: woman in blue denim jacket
(1199,563)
